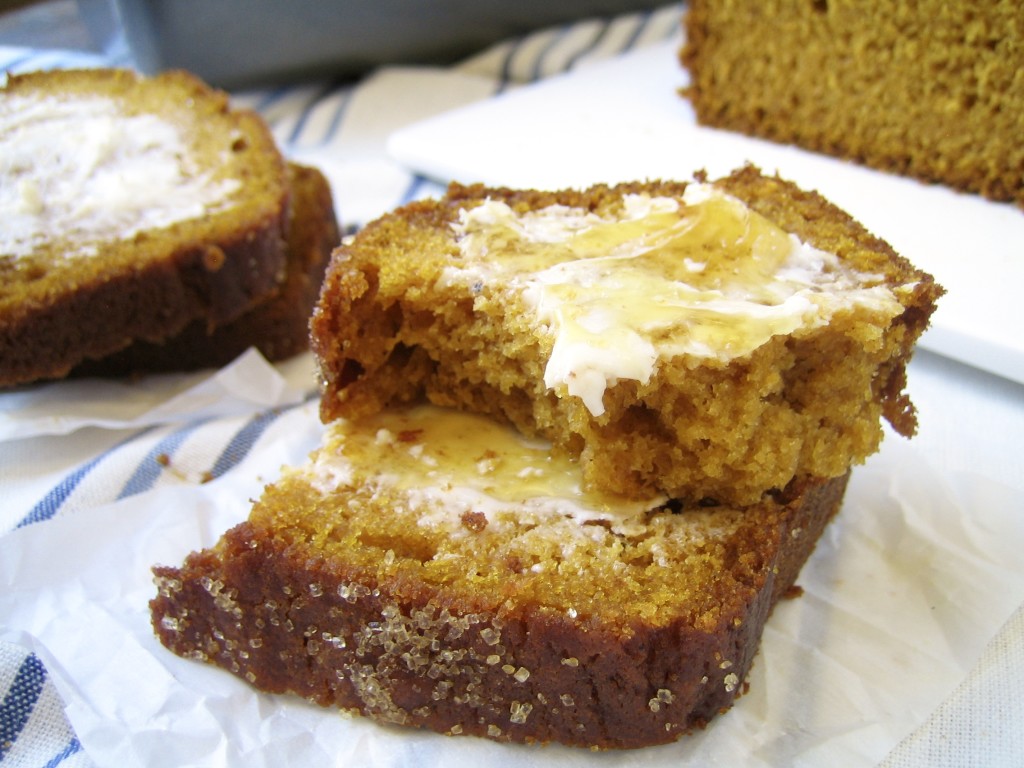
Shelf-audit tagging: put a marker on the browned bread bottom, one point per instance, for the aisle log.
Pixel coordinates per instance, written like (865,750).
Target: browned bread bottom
(278,327)
(337,601)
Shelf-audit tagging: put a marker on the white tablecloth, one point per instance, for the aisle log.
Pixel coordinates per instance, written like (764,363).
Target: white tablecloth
(77,454)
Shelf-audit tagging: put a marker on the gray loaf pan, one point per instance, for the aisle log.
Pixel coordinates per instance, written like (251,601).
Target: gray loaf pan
(236,43)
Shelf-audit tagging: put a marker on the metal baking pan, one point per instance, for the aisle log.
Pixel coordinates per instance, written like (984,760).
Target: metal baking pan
(232,43)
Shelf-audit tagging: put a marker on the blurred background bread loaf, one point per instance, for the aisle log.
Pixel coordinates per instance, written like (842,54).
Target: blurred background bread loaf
(930,89)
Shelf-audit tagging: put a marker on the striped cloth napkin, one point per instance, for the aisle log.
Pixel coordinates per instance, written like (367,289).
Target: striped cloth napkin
(56,459)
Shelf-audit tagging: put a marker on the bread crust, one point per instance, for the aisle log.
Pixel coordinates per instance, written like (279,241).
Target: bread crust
(57,311)
(278,326)
(277,610)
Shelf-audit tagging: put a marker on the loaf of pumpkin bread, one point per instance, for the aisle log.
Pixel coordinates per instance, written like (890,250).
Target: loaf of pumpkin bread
(929,89)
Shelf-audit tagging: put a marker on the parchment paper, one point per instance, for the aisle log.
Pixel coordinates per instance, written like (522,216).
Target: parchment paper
(904,591)
(246,385)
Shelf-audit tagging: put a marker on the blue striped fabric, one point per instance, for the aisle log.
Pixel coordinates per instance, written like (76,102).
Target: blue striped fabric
(302,117)
(134,468)
(307,110)
(20,700)
(32,732)
(73,748)
(152,464)
(242,442)
(52,502)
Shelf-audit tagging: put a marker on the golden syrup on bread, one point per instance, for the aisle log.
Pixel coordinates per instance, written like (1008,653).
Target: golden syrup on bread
(703,276)
(451,462)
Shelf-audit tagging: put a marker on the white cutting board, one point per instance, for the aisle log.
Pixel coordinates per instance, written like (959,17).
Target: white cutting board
(623,119)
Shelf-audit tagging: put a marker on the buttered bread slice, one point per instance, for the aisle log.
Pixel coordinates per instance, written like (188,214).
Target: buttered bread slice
(706,341)
(132,207)
(431,568)
(277,326)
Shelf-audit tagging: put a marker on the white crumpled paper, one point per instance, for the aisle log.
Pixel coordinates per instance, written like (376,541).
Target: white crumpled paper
(244,386)
(903,593)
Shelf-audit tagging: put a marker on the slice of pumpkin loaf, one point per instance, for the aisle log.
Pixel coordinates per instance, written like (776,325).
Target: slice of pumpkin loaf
(132,207)
(278,326)
(700,340)
(929,89)
(431,568)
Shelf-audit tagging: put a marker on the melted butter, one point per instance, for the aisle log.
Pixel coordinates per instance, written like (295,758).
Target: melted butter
(453,462)
(705,276)
(82,169)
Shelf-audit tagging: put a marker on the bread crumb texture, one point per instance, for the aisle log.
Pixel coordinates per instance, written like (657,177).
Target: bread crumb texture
(393,325)
(928,89)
